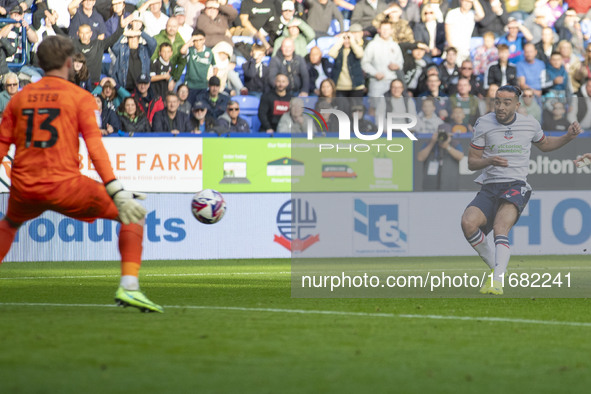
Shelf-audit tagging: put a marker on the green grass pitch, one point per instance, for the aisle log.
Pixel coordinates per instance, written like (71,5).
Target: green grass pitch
(232,327)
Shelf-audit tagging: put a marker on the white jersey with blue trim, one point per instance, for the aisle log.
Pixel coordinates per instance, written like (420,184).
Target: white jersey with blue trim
(511,141)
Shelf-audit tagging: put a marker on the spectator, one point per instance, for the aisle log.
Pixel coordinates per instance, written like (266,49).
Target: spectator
(557,84)
(286,62)
(183,93)
(321,14)
(364,125)
(160,71)
(520,8)
(553,9)
(300,33)
(93,49)
(214,97)
(133,120)
(7,48)
(14,36)
(466,71)
(172,36)
(200,64)
(6,6)
(501,72)
(487,105)
(110,93)
(485,54)
(170,119)
(319,69)
(427,120)
(531,71)
(118,12)
(185,30)
(430,31)
(465,99)
(568,28)
(382,61)
(216,21)
(81,74)
(410,12)
(459,121)
(401,31)
(414,65)
(347,73)
(84,13)
(201,120)
(274,104)
(168,7)
(154,19)
(254,14)
(495,17)
(545,46)
(193,9)
(293,120)
(11,85)
(365,12)
(581,106)
(583,71)
(396,101)
(327,99)
(529,105)
(148,103)
(569,59)
(440,7)
(255,71)
(109,122)
(133,52)
(535,23)
(275,26)
(449,71)
(459,25)
(441,156)
(515,39)
(555,119)
(230,80)
(230,121)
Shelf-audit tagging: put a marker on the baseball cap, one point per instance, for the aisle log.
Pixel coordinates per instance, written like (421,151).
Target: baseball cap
(199,105)
(212,4)
(178,10)
(16,10)
(287,6)
(117,1)
(355,28)
(143,78)
(137,16)
(214,81)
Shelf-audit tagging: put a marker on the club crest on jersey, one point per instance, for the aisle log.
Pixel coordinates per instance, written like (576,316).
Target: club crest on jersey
(508,134)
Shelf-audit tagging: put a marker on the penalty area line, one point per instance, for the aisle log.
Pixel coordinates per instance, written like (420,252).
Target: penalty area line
(329,313)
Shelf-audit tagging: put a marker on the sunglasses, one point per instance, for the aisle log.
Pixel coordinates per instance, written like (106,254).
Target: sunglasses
(200,110)
(466,68)
(11,85)
(233,109)
(429,13)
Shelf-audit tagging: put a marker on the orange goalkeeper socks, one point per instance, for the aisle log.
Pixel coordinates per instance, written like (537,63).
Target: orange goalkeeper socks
(7,234)
(130,247)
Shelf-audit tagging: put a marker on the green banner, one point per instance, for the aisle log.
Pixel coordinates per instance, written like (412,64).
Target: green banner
(323,165)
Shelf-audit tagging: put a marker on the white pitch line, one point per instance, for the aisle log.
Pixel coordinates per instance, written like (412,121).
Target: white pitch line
(331,313)
(368,271)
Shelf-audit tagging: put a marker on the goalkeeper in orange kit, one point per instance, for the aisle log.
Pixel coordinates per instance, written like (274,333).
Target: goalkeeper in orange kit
(44,121)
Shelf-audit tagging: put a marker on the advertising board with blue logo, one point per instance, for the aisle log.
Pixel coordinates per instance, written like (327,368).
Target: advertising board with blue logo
(310,225)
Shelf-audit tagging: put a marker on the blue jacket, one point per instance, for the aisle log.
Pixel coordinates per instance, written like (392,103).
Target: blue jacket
(120,66)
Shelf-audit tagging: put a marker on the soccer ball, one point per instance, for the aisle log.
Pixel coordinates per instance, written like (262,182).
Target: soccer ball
(208,206)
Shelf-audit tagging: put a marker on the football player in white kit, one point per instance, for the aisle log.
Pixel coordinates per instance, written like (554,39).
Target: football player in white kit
(501,148)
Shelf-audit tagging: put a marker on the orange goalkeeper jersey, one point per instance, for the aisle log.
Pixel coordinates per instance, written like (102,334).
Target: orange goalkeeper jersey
(44,121)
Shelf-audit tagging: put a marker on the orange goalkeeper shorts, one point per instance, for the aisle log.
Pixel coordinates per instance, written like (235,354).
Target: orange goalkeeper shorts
(80,198)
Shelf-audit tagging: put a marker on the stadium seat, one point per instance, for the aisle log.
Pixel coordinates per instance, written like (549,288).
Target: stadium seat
(335,28)
(245,39)
(106,58)
(325,43)
(310,101)
(249,105)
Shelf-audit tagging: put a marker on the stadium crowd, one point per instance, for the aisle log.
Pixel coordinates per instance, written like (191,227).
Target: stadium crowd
(218,66)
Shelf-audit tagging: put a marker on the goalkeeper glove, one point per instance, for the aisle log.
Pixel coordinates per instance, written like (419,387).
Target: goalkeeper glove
(130,211)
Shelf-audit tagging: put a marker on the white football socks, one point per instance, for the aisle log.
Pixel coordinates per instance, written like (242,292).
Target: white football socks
(502,256)
(130,282)
(480,243)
